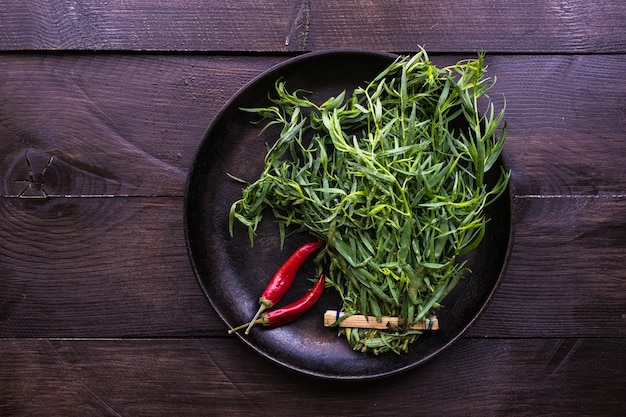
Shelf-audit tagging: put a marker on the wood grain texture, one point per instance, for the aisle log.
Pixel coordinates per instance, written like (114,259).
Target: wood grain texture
(187,377)
(103,104)
(563,117)
(566,248)
(90,267)
(118,267)
(115,125)
(130,124)
(281,25)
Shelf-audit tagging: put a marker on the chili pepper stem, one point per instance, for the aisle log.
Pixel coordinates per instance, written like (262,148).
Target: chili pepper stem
(256,319)
(235,329)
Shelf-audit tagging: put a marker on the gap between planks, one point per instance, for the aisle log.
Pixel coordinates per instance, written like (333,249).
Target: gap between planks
(569,196)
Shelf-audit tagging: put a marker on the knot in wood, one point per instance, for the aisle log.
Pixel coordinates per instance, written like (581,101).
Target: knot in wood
(31,175)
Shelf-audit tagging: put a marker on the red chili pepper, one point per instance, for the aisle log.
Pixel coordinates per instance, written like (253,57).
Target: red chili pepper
(283,278)
(290,312)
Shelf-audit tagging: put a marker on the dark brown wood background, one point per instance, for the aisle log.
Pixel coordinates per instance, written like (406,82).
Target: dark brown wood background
(107,102)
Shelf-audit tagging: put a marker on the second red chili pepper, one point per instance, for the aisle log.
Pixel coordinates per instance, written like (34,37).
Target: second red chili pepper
(283,278)
(290,312)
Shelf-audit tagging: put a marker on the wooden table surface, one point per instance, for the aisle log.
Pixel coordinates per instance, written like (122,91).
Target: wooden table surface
(103,105)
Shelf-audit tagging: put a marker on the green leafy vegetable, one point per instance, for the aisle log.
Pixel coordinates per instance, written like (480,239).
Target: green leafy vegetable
(392,179)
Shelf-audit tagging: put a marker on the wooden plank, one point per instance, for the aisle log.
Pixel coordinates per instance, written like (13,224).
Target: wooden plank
(94,267)
(130,124)
(222,377)
(281,25)
(563,119)
(115,125)
(146,25)
(118,267)
(566,272)
(493,26)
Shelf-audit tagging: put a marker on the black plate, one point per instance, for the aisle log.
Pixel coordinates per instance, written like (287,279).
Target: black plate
(233,274)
